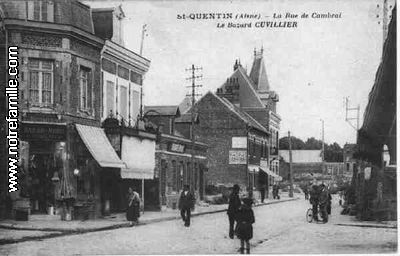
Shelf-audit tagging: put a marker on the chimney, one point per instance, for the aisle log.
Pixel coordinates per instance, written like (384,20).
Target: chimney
(236,65)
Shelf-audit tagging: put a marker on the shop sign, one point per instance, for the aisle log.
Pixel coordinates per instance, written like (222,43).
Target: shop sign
(237,156)
(43,132)
(175,147)
(239,142)
(367,173)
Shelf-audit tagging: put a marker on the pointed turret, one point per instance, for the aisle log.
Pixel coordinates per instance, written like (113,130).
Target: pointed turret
(258,72)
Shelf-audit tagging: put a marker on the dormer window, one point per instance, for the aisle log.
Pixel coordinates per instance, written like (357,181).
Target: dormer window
(41,11)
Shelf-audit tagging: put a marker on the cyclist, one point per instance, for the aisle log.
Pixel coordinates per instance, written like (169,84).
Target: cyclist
(314,199)
(324,202)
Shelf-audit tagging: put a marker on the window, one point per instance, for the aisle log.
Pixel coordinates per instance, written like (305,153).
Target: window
(174,175)
(85,89)
(41,11)
(110,94)
(41,82)
(180,176)
(123,91)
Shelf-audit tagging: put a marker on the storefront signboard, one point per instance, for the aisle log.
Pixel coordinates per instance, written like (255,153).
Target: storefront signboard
(237,156)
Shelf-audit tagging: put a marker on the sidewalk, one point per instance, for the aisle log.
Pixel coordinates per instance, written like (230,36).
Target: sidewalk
(46,226)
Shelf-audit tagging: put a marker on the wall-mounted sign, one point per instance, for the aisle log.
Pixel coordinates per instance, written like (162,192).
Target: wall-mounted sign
(43,132)
(175,147)
(239,142)
(237,157)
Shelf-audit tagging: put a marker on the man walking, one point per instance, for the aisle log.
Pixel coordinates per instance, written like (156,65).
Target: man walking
(233,207)
(186,204)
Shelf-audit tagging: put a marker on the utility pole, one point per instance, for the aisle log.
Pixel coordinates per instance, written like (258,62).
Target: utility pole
(290,166)
(193,78)
(144,30)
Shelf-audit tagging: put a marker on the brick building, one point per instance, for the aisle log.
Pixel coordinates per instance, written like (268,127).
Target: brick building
(175,166)
(252,94)
(60,103)
(238,144)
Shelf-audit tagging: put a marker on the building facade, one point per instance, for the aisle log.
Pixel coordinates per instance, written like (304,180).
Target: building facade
(179,160)
(60,102)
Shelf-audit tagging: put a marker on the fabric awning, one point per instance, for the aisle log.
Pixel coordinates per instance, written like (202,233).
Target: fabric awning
(139,156)
(99,146)
(271,173)
(253,168)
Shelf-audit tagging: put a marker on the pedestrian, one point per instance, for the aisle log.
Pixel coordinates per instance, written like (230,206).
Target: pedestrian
(314,197)
(306,193)
(262,193)
(244,227)
(133,209)
(233,207)
(323,202)
(186,204)
(329,206)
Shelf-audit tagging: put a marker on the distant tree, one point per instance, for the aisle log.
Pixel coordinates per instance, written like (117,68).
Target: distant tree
(313,144)
(333,153)
(296,143)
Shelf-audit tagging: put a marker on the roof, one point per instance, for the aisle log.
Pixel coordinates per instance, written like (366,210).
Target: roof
(185,105)
(242,114)
(258,73)
(187,118)
(302,156)
(161,110)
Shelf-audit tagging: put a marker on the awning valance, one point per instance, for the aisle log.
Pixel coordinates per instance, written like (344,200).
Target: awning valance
(271,173)
(99,146)
(139,156)
(253,168)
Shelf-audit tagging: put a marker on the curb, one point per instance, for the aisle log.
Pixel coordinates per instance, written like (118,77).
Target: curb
(65,232)
(366,226)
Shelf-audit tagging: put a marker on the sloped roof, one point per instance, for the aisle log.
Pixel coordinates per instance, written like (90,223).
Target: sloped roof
(258,74)
(162,110)
(185,105)
(302,156)
(187,118)
(242,115)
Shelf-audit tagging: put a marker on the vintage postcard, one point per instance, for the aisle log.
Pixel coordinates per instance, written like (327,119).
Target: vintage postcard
(138,127)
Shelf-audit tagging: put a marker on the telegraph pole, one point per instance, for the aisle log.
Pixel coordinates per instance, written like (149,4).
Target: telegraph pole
(193,78)
(290,166)
(144,30)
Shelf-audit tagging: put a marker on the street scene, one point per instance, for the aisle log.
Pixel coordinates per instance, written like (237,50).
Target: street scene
(224,127)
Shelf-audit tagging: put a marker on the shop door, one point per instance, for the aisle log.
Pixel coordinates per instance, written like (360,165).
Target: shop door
(42,189)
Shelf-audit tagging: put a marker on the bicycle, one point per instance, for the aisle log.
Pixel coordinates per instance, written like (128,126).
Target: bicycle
(309,215)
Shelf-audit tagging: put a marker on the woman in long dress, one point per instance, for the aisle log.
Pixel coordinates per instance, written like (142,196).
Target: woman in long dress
(133,212)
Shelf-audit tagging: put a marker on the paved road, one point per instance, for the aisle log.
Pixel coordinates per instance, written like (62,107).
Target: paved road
(279,228)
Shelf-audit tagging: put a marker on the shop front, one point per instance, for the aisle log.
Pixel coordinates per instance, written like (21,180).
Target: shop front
(42,159)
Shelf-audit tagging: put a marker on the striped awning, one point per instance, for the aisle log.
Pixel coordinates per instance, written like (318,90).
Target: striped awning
(99,146)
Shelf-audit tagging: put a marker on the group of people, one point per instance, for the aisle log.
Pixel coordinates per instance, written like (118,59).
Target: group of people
(322,199)
(186,205)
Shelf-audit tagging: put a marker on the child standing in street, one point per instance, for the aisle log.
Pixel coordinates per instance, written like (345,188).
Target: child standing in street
(244,227)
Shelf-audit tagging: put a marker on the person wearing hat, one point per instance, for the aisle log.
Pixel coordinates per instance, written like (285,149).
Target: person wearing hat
(186,203)
(233,207)
(244,227)
(323,202)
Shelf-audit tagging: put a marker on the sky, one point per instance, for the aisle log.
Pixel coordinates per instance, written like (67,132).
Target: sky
(312,67)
